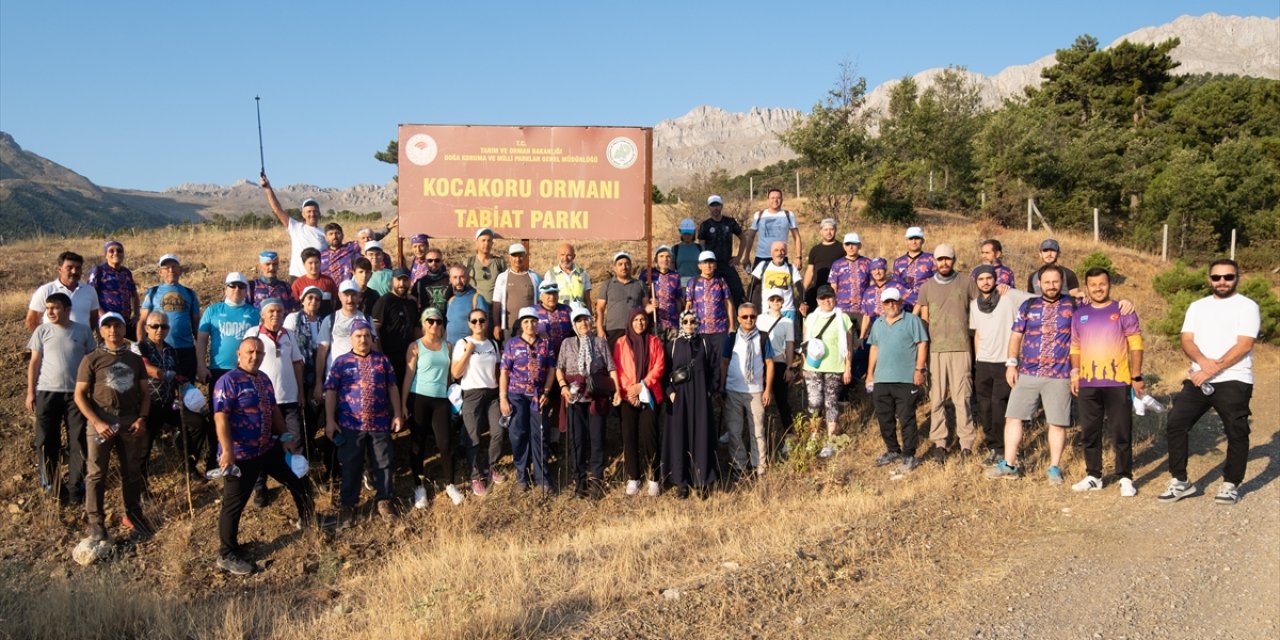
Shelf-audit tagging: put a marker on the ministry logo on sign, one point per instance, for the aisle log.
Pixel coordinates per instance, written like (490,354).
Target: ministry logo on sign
(621,152)
(421,149)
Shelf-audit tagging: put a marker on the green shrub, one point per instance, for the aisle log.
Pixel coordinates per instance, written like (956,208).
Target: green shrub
(1098,259)
(1259,290)
(883,207)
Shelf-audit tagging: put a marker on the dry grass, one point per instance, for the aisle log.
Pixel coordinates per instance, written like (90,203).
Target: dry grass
(840,551)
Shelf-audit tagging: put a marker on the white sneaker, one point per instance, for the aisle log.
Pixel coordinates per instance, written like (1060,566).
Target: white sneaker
(420,498)
(1089,483)
(654,489)
(1127,490)
(454,494)
(1228,493)
(827,452)
(633,487)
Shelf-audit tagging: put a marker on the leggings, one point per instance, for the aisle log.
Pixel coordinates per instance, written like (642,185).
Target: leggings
(429,416)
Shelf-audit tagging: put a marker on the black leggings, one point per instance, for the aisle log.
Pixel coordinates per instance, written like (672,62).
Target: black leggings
(639,442)
(429,415)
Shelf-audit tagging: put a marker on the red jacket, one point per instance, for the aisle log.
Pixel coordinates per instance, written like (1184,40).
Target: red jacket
(625,362)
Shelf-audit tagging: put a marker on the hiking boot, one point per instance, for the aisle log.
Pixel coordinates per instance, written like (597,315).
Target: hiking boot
(1127,490)
(966,456)
(346,517)
(387,511)
(1177,490)
(1089,483)
(420,500)
(1004,471)
(260,498)
(1228,493)
(478,487)
(580,490)
(1055,475)
(888,457)
(682,492)
(908,464)
(98,533)
(453,493)
(827,452)
(939,456)
(235,565)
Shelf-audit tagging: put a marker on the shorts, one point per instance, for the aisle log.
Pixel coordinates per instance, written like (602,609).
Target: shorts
(1054,393)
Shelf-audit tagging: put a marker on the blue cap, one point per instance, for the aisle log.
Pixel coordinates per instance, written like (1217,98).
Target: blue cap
(268,256)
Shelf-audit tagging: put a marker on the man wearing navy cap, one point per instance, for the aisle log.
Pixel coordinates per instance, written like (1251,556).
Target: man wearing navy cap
(716,234)
(395,316)
(268,285)
(1049,253)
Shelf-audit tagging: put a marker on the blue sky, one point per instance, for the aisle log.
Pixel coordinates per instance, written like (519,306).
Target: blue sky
(151,95)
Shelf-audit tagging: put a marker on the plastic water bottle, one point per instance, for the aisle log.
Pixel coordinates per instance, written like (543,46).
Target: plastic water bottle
(111,432)
(219,472)
(1206,389)
(1152,404)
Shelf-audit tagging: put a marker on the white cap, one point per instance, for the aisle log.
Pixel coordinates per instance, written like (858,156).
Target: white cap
(579,312)
(620,255)
(891,293)
(236,276)
(660,249)
(484,230)
(915,232)
(110,315)
(852,238)
(714,200)
(827,222)
(528,312)
(348,285)
(373,244)
(167,257)
(945,250)
(707,256)
(312,289)
(516,249)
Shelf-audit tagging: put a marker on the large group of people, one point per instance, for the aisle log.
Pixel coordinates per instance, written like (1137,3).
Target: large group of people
(479,354)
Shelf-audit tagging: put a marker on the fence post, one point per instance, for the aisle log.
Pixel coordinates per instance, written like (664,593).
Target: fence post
(797,183)
(1029,206)
(930,181)
(1164,244)
(752,195)
(1233,244)
(984,199)
(1095,225)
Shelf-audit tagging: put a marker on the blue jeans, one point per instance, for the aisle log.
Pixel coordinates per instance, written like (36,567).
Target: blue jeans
(355,447)
(526,439)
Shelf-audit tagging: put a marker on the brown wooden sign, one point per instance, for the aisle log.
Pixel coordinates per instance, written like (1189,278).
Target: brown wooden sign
(572,183)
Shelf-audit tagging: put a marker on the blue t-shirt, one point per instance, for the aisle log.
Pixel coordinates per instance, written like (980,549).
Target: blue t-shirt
(181,304)
(456,311)
(896,347)
(225,325)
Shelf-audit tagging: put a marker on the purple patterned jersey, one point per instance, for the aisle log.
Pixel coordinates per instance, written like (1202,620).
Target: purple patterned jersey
(555,325)
(336,263)
(1046,337)
(260,290)
(912,272)
(115,288)
(527,366)
(850,278)
(668,296)
(363,384)
(708,296)
(249,401)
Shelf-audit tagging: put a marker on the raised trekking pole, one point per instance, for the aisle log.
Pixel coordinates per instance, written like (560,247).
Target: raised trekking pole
(262,163)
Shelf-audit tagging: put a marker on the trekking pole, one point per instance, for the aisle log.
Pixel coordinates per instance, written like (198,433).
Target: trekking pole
(262,163)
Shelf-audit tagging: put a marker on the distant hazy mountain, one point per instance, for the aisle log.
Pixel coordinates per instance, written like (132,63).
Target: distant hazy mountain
(38,195)
(708,138)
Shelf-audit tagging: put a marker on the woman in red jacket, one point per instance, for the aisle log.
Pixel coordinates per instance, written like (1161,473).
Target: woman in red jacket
(640,364)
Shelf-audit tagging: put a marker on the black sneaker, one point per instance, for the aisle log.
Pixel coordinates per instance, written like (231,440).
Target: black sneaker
(994,456)
(261,498)
(235,565)
(939,456)
(908,464)
(1177,490)
(98,532)
(682,492)
(887,457)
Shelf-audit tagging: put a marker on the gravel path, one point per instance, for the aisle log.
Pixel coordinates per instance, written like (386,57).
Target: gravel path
(1136,568)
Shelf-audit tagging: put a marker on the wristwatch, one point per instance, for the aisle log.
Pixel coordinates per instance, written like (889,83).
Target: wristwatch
(1137,378)
(1011,362)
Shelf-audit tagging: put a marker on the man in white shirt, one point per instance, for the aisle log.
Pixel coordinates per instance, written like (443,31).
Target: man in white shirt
(771,225)
(746,372)
(991,319)
(513,290)
(301,234)
(1217,335)
(84,300)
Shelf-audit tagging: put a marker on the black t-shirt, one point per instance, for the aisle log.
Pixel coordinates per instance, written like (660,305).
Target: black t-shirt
(397,319)
(432,291)
(1070,281)
(717,237)
(368,298)
(821,257)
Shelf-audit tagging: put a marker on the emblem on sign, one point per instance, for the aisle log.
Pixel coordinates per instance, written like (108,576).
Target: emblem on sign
(621,152)
(421,149)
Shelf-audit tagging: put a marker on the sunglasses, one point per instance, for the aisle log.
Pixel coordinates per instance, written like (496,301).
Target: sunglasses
(236,285)
(477,321)
(1229,277)
(432,321)
(746,317)
(430,261)
(164,327)
(690,321)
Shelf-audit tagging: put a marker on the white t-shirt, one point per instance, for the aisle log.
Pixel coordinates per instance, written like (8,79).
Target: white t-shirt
(335,331)
(83,301)
(277,362)
(301,236)
(482,368)
(771,227)
(780,331)
(780,279)
(995,328)
(1216,324)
